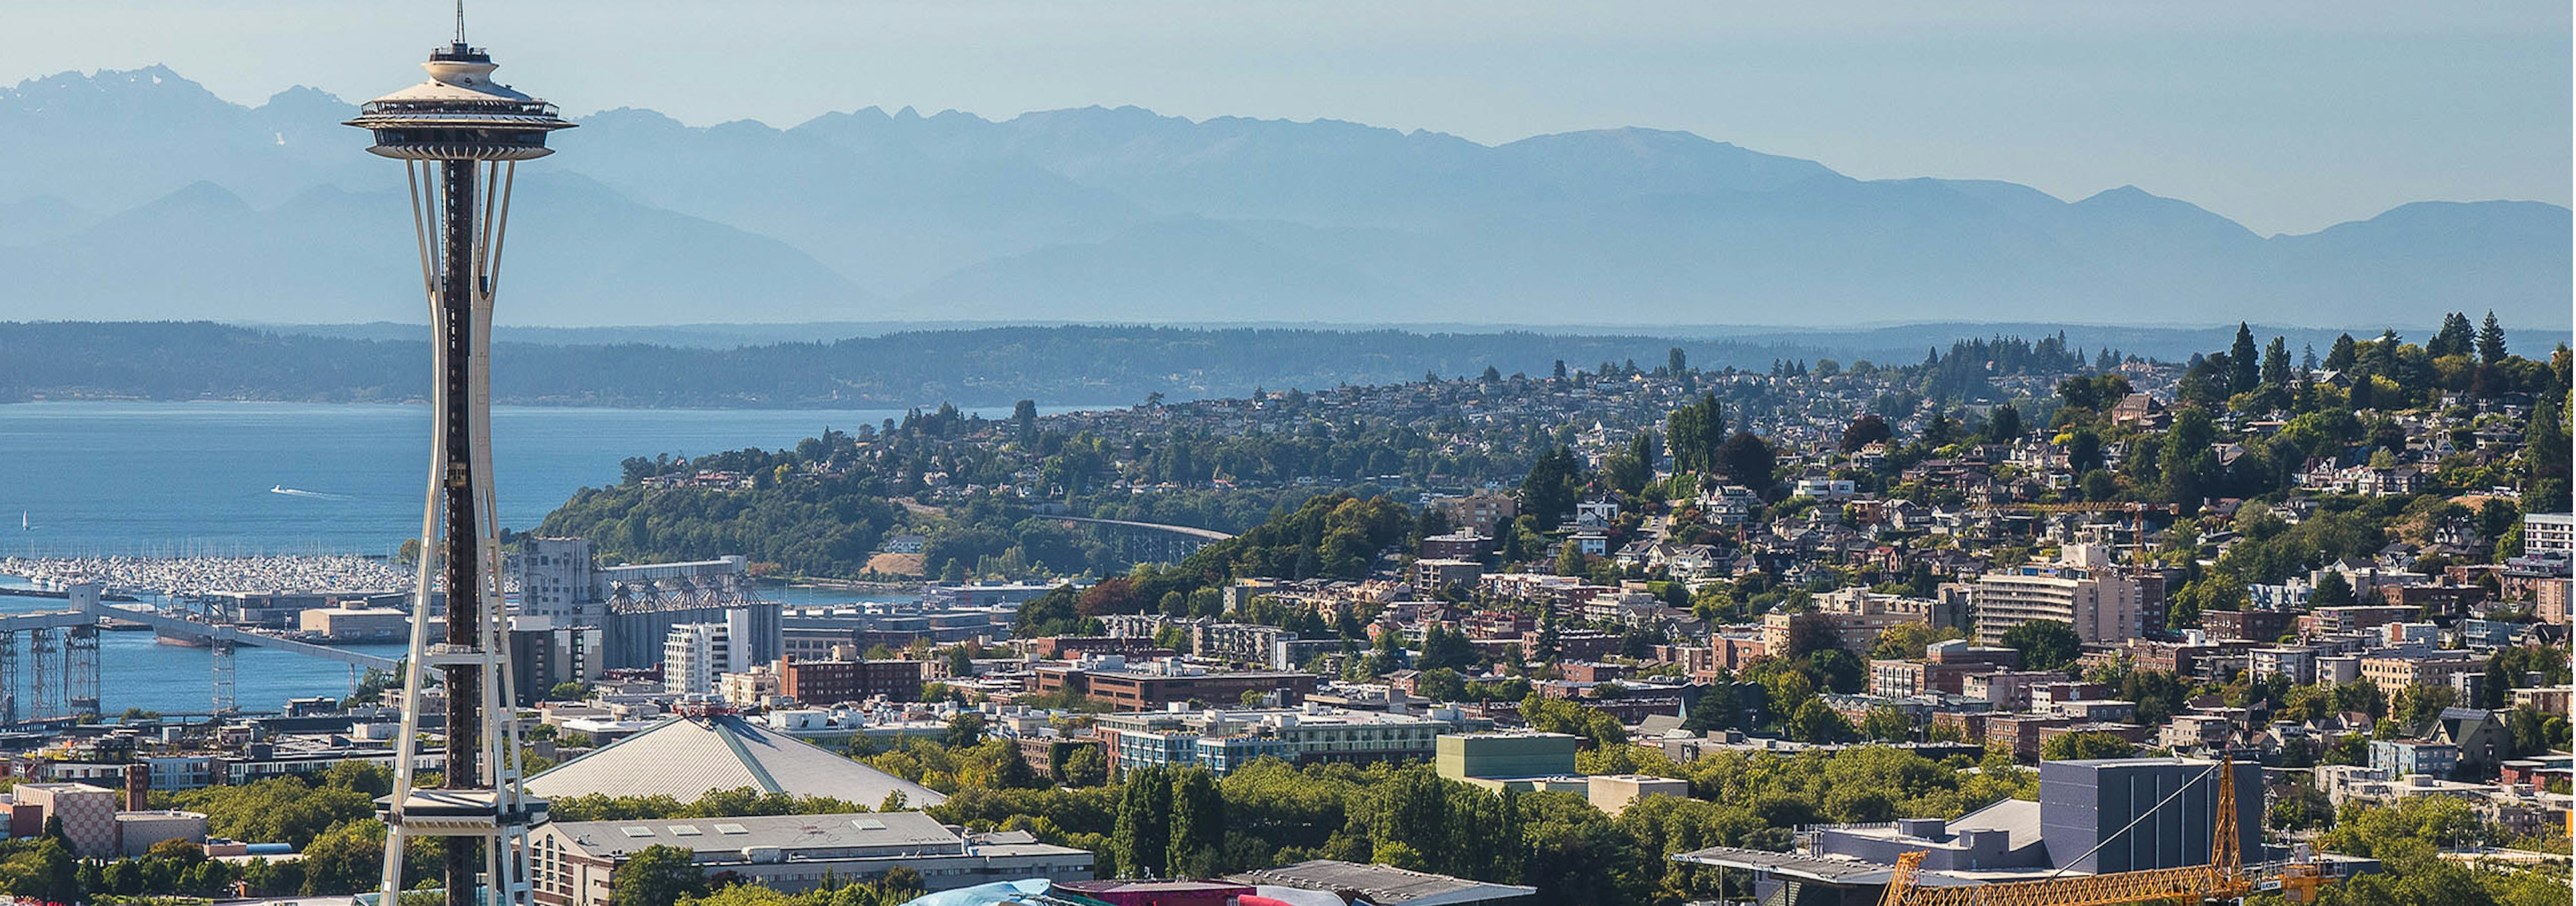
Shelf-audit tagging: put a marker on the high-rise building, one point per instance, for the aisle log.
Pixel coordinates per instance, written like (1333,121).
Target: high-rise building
(2549,535)
(695,654)
(2084,593)
(460,137)
(556,580)
(545,654)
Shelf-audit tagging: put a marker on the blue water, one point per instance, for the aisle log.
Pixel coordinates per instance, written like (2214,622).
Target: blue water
(196,478)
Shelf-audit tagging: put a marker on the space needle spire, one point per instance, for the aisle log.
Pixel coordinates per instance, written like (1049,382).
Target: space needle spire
(460,137)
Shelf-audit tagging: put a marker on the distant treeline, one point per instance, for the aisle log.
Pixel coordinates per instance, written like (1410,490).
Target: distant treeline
(975,367)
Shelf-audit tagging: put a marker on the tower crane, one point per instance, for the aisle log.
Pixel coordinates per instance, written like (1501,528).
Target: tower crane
(2224,878)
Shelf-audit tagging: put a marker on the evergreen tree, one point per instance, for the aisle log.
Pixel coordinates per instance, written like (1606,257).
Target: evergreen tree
(1024,419)
(2243,373)
(1694,432)
(2331,591)
(1554,483)
(1676,362)
(2546,446)
(1197,824)
(2343,354)
(1140,845)
(2276,363)
(1748,461)
(2003,426)
(2490,341)
(2455,338)
(2307,358)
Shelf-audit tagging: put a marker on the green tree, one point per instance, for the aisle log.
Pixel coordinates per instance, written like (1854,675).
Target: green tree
(1815,723)
(1141,841)
(1084,766)
(2491,349)
(2243,372)
(1886,724)
(2085,746)
(2083,450)
(2330,591)
(2343,354)
(44,870)
(1570,560)
(348,858)
(1868,429)
(2003,425)
(965,731)
(2276,363)
(1550,491)
(1445,649)
(1748,461)
(2455,337)
(1694,432)
(2044,644)
(1197,824)
(1556,715)
(658,875)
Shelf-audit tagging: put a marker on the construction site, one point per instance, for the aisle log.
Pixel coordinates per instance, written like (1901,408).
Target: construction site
(2103,832)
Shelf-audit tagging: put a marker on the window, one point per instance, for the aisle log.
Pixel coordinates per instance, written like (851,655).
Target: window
(636,831)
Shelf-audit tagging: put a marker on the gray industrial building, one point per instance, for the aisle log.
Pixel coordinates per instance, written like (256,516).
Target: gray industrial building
(635,640)
(634,606)
(2082,803)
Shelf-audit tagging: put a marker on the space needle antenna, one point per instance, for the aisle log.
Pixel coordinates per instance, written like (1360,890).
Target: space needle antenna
(460,21)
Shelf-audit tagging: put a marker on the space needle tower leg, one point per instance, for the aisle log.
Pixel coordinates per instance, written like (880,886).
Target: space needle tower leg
(461,135)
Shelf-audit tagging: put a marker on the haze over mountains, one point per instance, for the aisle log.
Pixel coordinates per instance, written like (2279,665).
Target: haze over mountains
(140,195)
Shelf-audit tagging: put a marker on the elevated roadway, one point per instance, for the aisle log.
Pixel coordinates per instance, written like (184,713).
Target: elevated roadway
(1209,535)
(90,613)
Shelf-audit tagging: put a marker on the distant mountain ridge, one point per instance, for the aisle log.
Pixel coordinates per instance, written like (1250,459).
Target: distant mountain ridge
(139,195)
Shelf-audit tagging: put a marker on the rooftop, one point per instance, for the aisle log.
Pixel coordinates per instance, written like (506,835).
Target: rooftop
(1385,885)
(878,830)
(686,758)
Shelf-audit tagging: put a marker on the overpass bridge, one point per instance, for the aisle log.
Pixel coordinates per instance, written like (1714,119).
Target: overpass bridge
(1148,542)
(49,660)
(225,634)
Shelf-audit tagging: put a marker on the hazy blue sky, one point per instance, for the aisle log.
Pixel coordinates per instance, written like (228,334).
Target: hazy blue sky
(2288,116)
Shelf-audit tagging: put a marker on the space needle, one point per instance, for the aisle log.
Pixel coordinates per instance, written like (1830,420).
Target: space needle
(460,137)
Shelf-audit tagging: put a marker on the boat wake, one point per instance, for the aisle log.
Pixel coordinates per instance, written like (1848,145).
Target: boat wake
(298,492)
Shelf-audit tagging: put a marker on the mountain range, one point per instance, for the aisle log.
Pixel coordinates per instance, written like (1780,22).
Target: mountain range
(141,195)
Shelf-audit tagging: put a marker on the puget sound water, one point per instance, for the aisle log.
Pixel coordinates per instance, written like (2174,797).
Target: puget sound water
(218,478)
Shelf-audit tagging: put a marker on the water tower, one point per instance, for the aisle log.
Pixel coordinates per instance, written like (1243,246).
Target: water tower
(460,137)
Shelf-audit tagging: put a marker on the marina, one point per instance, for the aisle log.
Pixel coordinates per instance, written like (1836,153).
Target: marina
(188,578)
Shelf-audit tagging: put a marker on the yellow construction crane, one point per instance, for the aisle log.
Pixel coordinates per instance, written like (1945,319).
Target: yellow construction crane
(2223,878)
